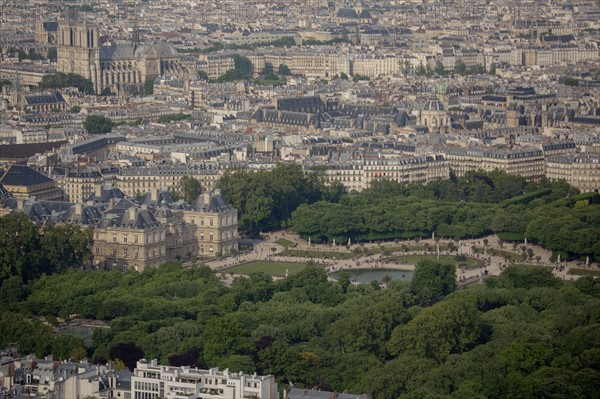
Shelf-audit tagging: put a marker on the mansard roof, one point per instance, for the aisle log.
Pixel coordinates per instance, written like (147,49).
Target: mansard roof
(53,98)
(22,175)
(211,202)
(22,151)
(39,211)
(78,214)
(107,194)
(158,197)
(270,115)
(132,218)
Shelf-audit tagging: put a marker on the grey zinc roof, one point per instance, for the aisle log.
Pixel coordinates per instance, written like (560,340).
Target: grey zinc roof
(107,194)
(39,210)
(130,218)
(347,13)
(54,98)
(128,51)
(212,202)
(433,105)
(161,196)
(21,175)
(116,52)
(78,214)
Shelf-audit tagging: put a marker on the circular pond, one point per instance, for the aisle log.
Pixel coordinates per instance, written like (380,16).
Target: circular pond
(368,275)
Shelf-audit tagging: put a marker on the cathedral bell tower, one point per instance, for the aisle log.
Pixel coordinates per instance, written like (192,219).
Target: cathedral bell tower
(78,49)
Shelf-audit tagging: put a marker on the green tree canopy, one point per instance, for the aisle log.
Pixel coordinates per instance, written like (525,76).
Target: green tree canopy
(233,75)
(202,75)
(190,188)
(243,64)
(97,124)
(439,68)
(460,67)
(450,327)
(52,54)
(19,247)
(61,80)
(284,70)
(433,280)
(266,199)
(149,86)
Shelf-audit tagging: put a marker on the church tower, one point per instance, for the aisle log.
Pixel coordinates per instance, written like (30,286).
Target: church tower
(78,49)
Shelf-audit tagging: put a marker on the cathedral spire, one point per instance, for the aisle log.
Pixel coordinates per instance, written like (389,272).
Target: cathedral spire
(135,37)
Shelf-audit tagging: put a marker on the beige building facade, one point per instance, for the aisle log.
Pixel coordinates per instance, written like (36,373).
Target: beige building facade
(134,181)
(216,224)
(148,236)
(527,162)
(132,238)
(582,171)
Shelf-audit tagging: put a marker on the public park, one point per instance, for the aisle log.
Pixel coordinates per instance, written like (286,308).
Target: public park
(284,253)
(482,287)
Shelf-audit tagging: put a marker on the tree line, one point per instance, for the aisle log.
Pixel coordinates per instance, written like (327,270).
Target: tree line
(26,252)
(266,199)
(61,80)
(524,335)
(551,214)
(548,213)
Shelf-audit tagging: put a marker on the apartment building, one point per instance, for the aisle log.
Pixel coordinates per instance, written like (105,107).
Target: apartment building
(406,169)
(581,170)
(152,381)
(78,185)
(526,162)
(350,175)
(215,65)
(134,181)
(358,175)
(375,65)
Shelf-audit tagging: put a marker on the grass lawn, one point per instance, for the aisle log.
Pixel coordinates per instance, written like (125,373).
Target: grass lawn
(585,272)
(503,253)
(83,332)
(270,268)
(476,286)
(284,242)
(416,258)
(317,254)
(527,266)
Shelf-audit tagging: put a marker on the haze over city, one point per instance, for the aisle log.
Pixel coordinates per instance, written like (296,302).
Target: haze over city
(299,199)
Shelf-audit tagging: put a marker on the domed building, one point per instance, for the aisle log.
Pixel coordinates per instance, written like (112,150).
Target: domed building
(433,115)
(358,14)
